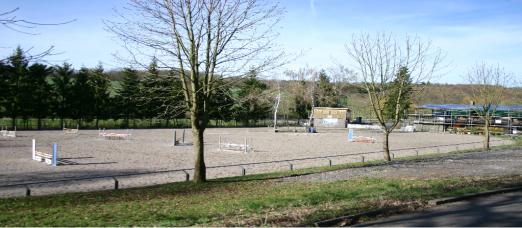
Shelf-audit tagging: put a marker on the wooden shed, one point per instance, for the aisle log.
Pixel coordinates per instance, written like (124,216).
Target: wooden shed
(331,117)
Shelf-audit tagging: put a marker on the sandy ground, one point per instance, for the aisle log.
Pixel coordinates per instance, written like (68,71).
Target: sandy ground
(85,155)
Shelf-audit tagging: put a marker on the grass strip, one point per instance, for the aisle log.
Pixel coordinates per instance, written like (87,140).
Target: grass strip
(253,203)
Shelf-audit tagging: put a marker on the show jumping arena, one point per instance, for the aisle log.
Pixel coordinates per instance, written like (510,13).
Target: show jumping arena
(84,155)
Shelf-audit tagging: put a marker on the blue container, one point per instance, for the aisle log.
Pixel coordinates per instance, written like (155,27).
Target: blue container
(311,130)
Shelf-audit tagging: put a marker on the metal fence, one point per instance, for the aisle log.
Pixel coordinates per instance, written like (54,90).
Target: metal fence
(187,176)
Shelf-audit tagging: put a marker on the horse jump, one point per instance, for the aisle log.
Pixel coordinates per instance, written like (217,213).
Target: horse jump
(115,136)
(239,148)
(71,130)
(50,159)
(7,133)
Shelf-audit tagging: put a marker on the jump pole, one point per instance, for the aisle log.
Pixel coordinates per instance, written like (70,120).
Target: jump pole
(33,150)
(55,147)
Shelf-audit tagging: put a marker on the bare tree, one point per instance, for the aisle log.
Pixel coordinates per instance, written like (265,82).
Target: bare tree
(487,89)
(305,80)
(342,78)
(277,86)
(11,22)
(203,40)
(377,61)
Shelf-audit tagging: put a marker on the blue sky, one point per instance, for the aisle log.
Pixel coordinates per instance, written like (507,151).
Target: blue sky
(467,31)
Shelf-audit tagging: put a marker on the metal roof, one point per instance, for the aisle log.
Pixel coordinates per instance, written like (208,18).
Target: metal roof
(459,106)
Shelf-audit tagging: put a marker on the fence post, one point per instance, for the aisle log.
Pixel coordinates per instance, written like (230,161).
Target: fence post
(438,150)
(115,183)
(187,177)
(243,172)
(174,138)
(27,191)
(393,156)
(183,138)
(362,159)
(329,161)
(291,166)
(416,153)
(457,148)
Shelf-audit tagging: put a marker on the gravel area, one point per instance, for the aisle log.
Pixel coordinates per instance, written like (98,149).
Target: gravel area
(484,163)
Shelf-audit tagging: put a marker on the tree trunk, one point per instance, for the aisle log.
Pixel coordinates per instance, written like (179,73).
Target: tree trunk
(385,147)
(199,169)
(486,134)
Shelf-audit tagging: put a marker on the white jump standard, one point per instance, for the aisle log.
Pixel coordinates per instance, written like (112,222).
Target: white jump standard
(115,136)
(50,159)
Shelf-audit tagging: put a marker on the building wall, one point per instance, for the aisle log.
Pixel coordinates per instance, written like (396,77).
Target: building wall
(331,117)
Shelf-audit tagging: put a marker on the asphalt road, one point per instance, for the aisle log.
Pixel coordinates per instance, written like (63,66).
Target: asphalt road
(504,210)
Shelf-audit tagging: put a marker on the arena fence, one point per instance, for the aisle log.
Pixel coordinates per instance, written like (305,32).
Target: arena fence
(243,170)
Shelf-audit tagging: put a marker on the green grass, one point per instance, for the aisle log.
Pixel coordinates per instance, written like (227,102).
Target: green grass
(253,200)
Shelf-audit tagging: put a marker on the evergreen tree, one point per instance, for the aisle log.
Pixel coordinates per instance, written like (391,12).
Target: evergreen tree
(151,91)
(222,103)
(128,94)
(63,91)
(14,91)
(171,97)
(402,86)
(251,107)
(326,95)
(100,83)
(4,86)
(301,108)
(83,96)
(41,99)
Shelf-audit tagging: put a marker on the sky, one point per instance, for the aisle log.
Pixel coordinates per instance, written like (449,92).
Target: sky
(467,31)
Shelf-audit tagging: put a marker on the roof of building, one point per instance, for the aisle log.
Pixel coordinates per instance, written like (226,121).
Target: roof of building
(331,108)
(459,106)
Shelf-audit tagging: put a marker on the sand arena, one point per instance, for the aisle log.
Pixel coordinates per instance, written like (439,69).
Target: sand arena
(84,155)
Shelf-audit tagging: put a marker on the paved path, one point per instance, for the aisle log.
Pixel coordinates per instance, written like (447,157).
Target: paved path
(498,210)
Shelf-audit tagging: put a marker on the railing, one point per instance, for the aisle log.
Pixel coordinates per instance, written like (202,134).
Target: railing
(187,176)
